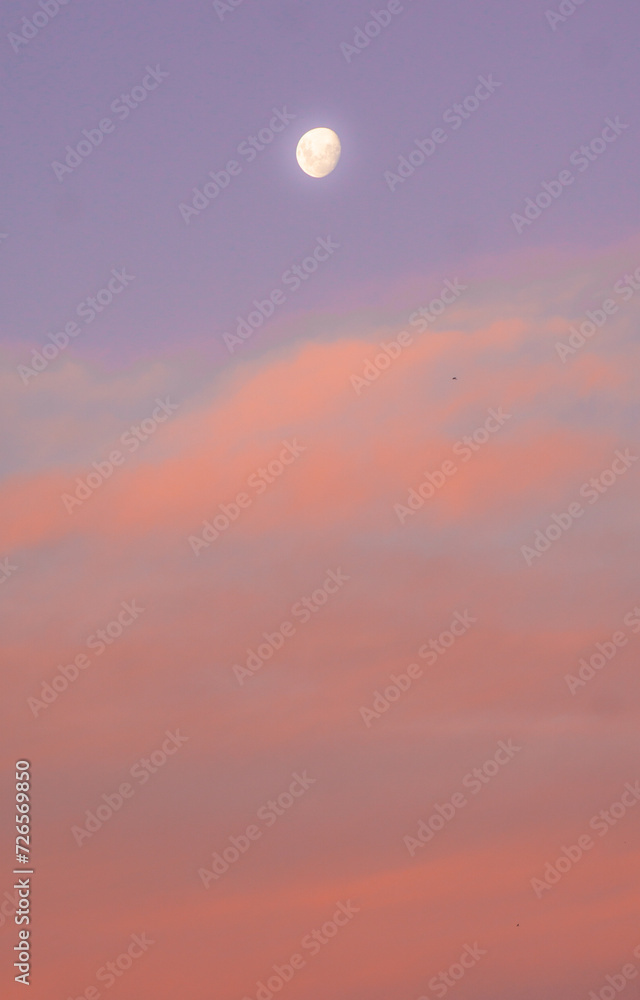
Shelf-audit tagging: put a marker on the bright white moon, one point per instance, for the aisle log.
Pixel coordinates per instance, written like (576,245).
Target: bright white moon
(318,152)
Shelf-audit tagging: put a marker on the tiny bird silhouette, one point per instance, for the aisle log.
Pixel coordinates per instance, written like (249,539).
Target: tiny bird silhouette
(455,378)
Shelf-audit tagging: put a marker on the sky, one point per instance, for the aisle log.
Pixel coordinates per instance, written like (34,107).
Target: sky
(338,619)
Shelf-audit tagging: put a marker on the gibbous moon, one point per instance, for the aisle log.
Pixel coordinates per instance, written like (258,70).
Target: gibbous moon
(318,152)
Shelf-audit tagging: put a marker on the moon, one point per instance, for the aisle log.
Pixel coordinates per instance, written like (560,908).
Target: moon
(318,152)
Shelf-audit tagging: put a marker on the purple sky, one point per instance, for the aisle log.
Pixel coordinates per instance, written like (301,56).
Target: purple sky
(379,490)
(120,206)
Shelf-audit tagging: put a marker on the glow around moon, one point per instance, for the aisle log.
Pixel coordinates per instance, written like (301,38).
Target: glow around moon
(318,152)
